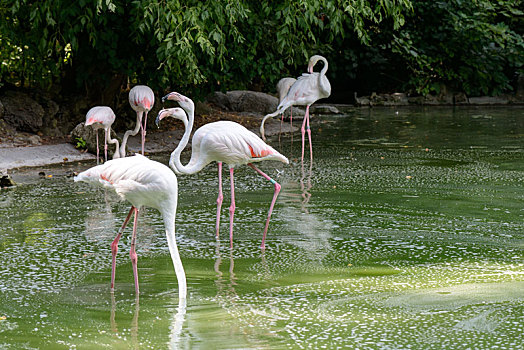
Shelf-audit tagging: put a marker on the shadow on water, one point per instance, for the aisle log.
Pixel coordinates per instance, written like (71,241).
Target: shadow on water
(405,232)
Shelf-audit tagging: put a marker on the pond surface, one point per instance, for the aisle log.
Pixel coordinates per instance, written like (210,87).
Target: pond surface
(406,232)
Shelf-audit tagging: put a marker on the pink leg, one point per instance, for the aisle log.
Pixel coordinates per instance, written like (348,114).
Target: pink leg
(303,130)
(309,135)
(275,195)
(105,146)
(220,196)
(114,247)
(231,208)
(132,253)
(144,132)
(97,151)
(291,117)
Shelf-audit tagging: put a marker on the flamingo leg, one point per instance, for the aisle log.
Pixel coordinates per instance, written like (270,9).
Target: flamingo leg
(97,150)
(144,133)
(231,208)
(220,196)
(303,131)
(132,253)
(105,144)
(275,195)
(309,136)
(114,247)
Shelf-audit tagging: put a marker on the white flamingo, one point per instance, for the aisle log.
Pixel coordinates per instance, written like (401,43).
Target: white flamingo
(308,88)
(102,117)
(141,99)
(142,182)
(222,141)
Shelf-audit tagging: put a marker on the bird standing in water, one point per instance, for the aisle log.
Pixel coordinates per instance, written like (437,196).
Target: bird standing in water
(141,99)
(222,141)
(102,117)
(308,88)
(142,182)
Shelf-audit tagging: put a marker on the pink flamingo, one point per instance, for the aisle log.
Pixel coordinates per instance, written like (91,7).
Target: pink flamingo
(141,99)
(142,182)
(283,87)
(222,141)
(308,88)
(102,117)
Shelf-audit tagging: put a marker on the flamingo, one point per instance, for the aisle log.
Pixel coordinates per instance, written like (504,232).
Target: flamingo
(283,87)
(308,88)
(142,182)
(222,141)
(102,117)
(141,99)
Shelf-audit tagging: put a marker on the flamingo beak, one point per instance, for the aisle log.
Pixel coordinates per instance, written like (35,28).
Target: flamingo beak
(159,116)
(166,97)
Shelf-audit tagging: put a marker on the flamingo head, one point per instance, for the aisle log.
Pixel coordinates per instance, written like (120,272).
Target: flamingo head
(90,121)
(177,113)
(313,61)
(184,102)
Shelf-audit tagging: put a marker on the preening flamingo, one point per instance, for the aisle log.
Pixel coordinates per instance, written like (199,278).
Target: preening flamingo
(102,117)
(142,182)
(222,141)
(283,87)
(141,99)
(308,88)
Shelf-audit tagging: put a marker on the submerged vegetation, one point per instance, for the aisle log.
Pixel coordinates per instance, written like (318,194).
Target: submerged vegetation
(96,46)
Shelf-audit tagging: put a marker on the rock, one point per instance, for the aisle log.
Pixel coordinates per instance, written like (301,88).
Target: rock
(6,180)
(252,101)
(220,100)
(88,135)
(202,108)
(22,112)
(34,140)
(488,100)
(460,98)
(244,101)
(323,109)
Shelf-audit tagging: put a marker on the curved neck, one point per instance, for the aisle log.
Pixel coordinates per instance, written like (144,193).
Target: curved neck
(131,133)
(169,222)
(322,79)
(174,160)
(324,70)
(113,141)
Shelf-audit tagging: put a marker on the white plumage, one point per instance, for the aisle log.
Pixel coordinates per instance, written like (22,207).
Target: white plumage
(224,142)
(142,182)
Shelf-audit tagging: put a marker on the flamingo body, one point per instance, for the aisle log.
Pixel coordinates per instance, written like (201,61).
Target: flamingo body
(142,182)
(230,143)
(308,88)
(224,142)
(102,117)
(141,99)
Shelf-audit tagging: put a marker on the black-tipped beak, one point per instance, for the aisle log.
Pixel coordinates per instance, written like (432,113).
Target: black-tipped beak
(158,119)
(165,97)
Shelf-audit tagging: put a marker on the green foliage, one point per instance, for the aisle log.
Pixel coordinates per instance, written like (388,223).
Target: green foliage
(200,46)
(80,143)
(472,46)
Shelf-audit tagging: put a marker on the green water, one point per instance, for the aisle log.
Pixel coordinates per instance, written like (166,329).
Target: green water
(406,233)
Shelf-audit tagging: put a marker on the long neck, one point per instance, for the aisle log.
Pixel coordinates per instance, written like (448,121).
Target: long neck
(113,141)
(174,160)
(324,70)
(322,78)
(169,222)
(131,133)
